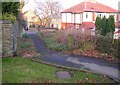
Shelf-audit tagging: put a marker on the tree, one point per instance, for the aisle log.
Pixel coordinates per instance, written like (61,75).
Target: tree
(111,24)
(45,10)
(105,25)
(10,10)
(98,23)
(10,7)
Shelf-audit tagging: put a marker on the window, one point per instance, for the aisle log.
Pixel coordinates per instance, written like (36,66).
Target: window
(86,15)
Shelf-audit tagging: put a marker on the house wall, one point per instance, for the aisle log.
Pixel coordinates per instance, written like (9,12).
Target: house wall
(117,36)
(71,20)
(78,18)
(68,17)
(107,15)
(64,17)
(87,17)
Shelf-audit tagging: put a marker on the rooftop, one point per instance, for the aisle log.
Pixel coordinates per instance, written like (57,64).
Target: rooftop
(90,6)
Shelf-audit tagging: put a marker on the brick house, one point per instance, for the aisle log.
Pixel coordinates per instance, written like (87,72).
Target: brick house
(83,15)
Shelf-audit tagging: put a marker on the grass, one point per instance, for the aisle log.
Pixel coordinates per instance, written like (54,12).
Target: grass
(22,70)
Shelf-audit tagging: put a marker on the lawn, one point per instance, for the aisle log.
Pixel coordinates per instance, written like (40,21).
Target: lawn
(22,70)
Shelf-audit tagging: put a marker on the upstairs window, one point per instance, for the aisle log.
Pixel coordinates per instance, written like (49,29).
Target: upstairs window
(86,15)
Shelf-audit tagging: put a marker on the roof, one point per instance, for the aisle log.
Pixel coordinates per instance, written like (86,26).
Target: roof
(87,25)
(90,6)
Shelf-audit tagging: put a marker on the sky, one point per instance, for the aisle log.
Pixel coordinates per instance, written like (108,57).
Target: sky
(69,3)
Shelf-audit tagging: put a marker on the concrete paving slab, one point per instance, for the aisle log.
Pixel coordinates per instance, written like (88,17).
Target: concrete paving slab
(63,75)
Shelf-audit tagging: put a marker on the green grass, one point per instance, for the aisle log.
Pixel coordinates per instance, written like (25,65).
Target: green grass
(22,70)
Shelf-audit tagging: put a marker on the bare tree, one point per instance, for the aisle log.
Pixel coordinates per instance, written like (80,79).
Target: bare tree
(45,10)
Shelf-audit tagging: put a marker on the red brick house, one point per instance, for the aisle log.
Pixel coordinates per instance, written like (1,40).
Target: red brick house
(83,15)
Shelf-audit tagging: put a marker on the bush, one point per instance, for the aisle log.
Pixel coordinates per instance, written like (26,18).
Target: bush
(107,45)
(103,44)
(116,50)
(25,36)
(9,16)
(68,39)
(26,45)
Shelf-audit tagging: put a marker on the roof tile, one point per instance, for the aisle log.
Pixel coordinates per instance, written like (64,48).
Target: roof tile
(90,6)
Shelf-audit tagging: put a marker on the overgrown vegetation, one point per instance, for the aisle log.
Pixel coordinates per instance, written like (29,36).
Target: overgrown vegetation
(21,70)
(26,47)
(76,42)
(108,46)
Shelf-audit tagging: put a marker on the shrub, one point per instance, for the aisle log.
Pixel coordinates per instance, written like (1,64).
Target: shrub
(70,41)
(75,39)
(103,44)
(107,45)
(25,36)
(116,50)
(26,45)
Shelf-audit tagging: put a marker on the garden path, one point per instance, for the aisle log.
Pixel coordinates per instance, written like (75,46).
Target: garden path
(95,65)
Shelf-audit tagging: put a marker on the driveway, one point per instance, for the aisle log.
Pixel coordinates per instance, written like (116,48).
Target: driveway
(95,65)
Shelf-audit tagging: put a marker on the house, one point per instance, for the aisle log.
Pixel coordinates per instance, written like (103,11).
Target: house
(56,21)
(117,34)
(83,15)
(31,18)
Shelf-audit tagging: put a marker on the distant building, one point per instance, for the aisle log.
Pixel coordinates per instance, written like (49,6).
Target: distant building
(31,18)
(83,15)
(56,21)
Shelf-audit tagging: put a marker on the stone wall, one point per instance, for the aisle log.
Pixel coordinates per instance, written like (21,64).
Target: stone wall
(10,37)
(0,38)
(7,39)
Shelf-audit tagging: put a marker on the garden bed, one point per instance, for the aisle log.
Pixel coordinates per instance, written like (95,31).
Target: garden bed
(75,42)
(26,47)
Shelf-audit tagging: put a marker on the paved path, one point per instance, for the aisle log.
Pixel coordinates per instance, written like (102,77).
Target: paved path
(95,65)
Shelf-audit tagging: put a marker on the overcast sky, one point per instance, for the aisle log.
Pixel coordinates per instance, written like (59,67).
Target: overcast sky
(68,3)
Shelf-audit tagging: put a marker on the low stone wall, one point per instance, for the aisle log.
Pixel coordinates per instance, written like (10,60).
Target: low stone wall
(7,39)
(10,37)
(0,38)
